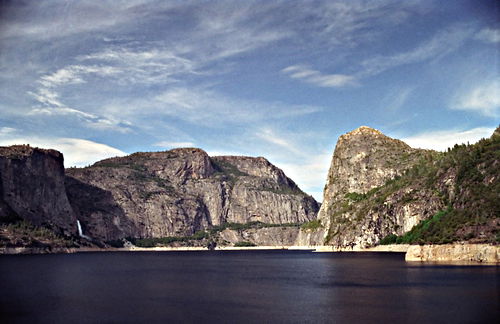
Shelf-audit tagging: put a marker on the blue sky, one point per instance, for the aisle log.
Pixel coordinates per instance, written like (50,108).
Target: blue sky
(279,79)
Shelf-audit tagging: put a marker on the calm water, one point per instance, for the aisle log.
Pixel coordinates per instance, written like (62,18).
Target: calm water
(239,287)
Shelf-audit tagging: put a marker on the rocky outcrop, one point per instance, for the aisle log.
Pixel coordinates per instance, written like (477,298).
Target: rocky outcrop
(380,188)
(99,215)
(477,253)
(268,236)
(311,237)
(32,188)
(363,159)
(182,191)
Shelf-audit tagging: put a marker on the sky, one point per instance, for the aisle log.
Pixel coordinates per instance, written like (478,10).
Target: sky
(278,79)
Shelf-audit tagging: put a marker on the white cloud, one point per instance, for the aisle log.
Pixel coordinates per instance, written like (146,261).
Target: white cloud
(484,99)
(166,144)
(73,74)
(311,174)
(77,152)
(441,140)
(46,97)
(271,137)
(151,66)
(489,35)
(208,108)
(61,111)
(7,130)
(308,75)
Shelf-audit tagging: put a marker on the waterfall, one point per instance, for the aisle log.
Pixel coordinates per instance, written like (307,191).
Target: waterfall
(80,231)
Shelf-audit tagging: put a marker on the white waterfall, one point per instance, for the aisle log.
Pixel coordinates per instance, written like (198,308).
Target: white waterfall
(80,231)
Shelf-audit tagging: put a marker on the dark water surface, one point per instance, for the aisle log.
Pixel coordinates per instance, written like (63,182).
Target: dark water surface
(243,286)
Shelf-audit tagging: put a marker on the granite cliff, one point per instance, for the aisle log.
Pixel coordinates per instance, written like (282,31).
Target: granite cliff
(180,195)
(32,189)
(180,192)
(381,190)
(35,213)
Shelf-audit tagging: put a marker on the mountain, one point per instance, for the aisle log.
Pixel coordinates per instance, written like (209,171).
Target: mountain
(180,195)
(180,192)
(380,190)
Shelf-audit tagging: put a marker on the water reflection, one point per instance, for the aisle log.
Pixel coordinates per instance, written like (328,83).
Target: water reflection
(274,286)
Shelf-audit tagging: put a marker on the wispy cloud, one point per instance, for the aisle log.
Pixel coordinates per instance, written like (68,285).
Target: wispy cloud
(441,140)
(74,74)
(441,44)
(489,35)
(148,66)
(483,99)
(57,19)
(269,136)
(314,77)
(210,108)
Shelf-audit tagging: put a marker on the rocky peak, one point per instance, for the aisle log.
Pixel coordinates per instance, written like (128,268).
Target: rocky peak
(23,151)
(363,130)
(177,165)
(181,191)
(496,132)
(364,159)
(257,167)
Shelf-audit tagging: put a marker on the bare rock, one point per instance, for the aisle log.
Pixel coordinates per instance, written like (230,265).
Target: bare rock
(182,191)
(32,188)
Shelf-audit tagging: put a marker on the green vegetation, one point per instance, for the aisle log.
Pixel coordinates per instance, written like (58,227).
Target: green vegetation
(115,243)
(432,230)
(23,233)
(283,190)
(227,171)
(163,241)
(249,225)
(464,180)
(354,196)
(201,235)
(243,244)
(312,225)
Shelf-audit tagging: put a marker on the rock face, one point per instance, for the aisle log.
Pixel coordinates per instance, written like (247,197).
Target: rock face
(32,188)
(454,253)
(269,236)
(379,187)
(180,192)
(363,159)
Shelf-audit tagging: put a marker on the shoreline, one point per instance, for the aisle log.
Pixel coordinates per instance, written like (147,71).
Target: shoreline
(312,248)
(453,254)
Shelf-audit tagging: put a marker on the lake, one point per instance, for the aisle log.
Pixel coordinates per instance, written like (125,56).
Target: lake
(243,287)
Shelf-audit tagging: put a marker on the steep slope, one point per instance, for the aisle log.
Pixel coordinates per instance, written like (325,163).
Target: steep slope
(380,188)
(183,191)
(363,159)
(32,189)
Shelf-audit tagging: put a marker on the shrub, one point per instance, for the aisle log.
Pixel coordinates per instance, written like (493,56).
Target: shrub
(312,225)
(243,243)
(389,239)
